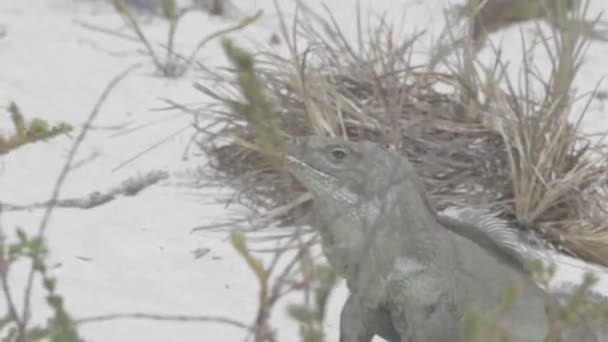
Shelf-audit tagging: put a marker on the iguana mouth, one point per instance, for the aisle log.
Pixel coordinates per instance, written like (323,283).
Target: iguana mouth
(296,166)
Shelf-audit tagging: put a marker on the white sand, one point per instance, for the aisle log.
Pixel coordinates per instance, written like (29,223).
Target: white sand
(135,254)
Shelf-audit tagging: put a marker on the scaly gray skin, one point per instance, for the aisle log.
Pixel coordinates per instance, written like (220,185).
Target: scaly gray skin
(524,245)
(410,276)
(482,222)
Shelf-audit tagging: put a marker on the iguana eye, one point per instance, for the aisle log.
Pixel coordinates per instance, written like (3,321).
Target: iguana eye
(338,153)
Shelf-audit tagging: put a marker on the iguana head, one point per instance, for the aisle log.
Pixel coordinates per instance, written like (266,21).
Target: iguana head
(340,169)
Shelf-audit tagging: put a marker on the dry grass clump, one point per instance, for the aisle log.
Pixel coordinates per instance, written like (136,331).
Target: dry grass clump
(490,143)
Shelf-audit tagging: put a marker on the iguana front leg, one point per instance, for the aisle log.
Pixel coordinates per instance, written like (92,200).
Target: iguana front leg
(422,309)
(359,323)
(421,320)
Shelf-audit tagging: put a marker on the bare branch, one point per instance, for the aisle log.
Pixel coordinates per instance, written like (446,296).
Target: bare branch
(58,185)
(130,187)
(155,317)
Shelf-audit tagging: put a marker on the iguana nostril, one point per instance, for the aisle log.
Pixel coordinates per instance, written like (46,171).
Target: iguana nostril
(292,140)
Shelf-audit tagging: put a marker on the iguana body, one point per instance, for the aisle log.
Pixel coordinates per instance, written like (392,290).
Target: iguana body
(516,241)
(411,278)
(525,244)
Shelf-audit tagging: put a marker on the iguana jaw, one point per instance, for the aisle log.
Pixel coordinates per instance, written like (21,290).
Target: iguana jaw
(323,186)
(311,178)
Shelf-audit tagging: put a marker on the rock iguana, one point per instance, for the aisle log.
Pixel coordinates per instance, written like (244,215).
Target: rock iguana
(411,273)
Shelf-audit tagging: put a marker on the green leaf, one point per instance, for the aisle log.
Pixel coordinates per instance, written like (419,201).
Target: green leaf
(17,117)
(302,314)
(120,7)
(170,10)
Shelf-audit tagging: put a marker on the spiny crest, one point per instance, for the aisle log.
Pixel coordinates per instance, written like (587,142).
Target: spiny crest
(506,235)
(498,230)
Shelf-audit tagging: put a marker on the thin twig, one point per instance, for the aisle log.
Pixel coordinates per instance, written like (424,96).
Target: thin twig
(129,187)
(240,25)
(131,21)
(4,268)
(148,149)
(155,317)
(58,185)
(106,31)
